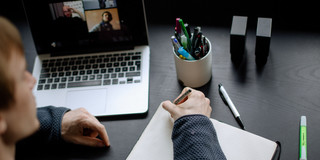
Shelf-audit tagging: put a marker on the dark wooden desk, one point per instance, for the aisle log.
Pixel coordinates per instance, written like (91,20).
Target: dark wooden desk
(270,100)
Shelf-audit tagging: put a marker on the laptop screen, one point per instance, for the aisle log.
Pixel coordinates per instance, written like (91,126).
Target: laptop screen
(82,26)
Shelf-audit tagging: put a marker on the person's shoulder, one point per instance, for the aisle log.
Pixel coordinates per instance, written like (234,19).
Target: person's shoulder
(95,28)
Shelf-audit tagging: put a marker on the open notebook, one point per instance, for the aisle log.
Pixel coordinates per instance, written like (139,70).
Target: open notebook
(155,142)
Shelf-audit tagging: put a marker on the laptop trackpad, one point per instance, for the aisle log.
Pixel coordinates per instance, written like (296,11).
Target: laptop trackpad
(93,100)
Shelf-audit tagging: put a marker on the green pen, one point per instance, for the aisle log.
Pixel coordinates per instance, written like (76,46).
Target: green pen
(186,34)
(303,138)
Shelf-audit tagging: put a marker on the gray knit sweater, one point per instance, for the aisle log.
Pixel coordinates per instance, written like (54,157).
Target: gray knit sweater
(194,137)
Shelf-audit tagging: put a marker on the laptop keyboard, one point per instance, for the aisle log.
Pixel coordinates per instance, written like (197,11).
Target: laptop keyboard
(83,71)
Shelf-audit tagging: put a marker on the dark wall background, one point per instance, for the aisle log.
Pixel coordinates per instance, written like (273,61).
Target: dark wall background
(285,14)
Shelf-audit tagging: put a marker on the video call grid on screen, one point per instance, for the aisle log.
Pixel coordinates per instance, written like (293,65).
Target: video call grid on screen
(92,12)
(54,33)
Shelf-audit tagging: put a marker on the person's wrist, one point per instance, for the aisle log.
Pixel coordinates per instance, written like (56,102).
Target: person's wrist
(189,115)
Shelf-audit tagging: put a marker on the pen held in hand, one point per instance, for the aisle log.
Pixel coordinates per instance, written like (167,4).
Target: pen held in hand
(182,97)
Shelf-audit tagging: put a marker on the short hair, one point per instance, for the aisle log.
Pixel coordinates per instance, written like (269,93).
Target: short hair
(9,40)
(109,15)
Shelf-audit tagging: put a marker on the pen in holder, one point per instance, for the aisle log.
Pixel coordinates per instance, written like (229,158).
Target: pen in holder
(192,56)
(194,73)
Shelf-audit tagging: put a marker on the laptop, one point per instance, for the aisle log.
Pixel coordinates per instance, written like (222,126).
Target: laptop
(92,54)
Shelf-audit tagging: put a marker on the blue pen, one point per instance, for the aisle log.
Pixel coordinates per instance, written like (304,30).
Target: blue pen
(175,43)
(180,50)
(176,47)
(185,54)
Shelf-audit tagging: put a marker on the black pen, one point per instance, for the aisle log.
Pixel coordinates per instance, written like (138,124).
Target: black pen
(194,36)
(198,40)
(205,46)
(226,99)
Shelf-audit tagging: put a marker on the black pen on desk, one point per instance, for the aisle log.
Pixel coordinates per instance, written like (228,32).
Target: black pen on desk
(226,99)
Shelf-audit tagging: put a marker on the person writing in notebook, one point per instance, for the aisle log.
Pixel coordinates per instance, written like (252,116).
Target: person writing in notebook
(19,117)
(193,134)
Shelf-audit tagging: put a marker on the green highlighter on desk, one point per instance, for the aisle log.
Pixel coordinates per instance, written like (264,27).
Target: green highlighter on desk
(303,138)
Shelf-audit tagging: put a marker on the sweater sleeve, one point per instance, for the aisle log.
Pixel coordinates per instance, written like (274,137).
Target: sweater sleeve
(194,137)
(50,126)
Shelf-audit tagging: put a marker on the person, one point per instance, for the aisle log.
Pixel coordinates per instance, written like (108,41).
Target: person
(67,12)
(69,27)
(105,24)
(19,117)
(193,134)
(102,4)
(106,4)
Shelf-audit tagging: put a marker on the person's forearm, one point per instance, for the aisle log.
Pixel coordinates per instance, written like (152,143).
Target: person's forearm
(194,137)
(50,126)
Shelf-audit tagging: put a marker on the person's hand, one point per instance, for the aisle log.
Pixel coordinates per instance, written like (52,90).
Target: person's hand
(70,9)
(80,127)
(73,10)
(67,8)
(194,103)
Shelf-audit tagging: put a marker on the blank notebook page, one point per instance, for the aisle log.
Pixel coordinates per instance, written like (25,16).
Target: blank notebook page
(155,142)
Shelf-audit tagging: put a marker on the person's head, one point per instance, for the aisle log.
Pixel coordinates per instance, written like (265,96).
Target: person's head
(106,16)
(67,11)
(17,104)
